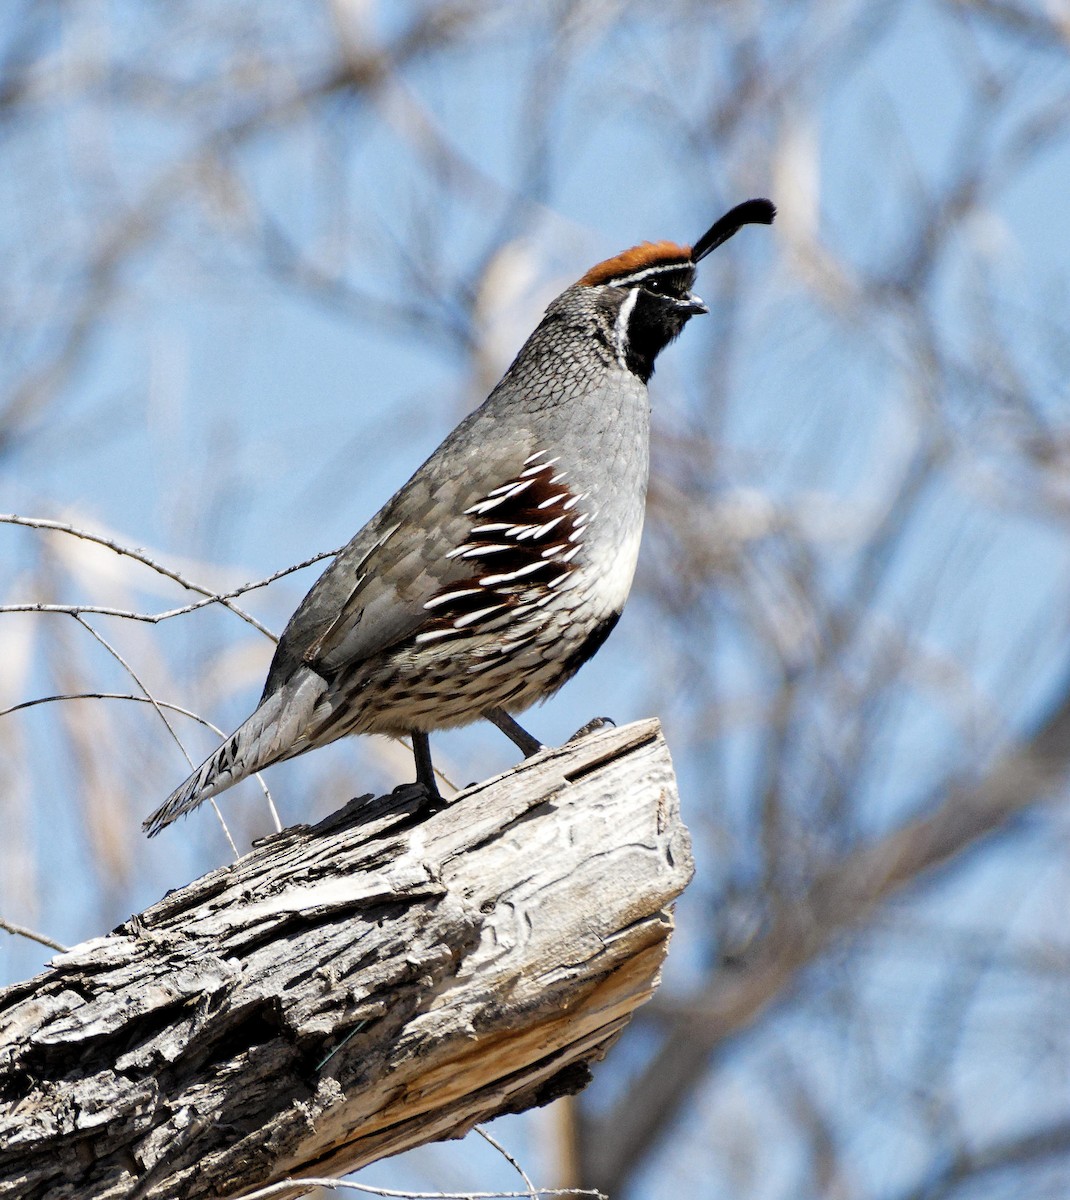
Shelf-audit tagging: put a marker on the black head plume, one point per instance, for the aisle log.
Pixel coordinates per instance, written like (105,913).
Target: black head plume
(750,212)
(654,300)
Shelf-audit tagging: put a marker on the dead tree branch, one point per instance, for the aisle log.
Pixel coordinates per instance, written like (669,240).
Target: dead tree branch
(350,990)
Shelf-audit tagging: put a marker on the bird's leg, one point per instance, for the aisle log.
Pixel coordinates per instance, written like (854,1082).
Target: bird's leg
(592,726)
(517,735)
(425,772)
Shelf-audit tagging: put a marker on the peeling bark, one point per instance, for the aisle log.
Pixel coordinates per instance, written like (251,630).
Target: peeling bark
(350,990)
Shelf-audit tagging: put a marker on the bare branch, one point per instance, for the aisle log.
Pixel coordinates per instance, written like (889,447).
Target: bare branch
(1014,1153)
(22,931)
(137,555)
(285,1186)
(487,1137)
(14,708)
(137,680)
(400,941)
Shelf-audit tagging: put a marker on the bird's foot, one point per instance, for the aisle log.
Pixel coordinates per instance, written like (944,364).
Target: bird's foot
(433,802)
(592,726)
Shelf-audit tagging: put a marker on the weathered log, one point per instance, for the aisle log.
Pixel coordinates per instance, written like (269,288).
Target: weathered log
(350,990)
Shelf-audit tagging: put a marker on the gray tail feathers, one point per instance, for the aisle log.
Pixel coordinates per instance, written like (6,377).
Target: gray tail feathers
(278,729)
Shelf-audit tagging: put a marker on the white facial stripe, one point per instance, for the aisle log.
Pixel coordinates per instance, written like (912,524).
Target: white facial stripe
(639,276)
(620,330)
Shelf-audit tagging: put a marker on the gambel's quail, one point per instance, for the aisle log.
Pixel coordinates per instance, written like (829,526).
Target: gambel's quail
(505,561)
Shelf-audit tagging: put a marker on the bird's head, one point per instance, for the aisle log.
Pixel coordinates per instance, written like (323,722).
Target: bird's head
(650,286)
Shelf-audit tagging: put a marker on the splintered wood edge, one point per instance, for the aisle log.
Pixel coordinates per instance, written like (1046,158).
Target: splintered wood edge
(505,1070)
(475,1087)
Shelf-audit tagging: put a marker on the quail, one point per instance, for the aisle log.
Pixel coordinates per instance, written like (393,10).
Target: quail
(505,561)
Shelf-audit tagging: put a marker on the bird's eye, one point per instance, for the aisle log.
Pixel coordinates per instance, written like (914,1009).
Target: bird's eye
(655,285)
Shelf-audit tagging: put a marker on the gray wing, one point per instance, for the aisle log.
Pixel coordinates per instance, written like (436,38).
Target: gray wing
(373,594)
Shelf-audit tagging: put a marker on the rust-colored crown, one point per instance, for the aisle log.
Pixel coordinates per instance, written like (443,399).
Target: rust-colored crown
(669,254)
(638,258)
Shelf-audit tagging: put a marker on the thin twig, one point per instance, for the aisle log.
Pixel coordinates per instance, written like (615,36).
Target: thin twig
(532,1191)
(210,596)
(311,1182)
(226,828)
(185,712)
(134,676)
(22,931)
(14,708)
(178,741)
(158,704)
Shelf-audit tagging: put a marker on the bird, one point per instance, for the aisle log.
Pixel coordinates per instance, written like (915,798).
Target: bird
(504,562)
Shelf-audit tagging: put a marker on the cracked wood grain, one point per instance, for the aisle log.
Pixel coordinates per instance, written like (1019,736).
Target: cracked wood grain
(350,990)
